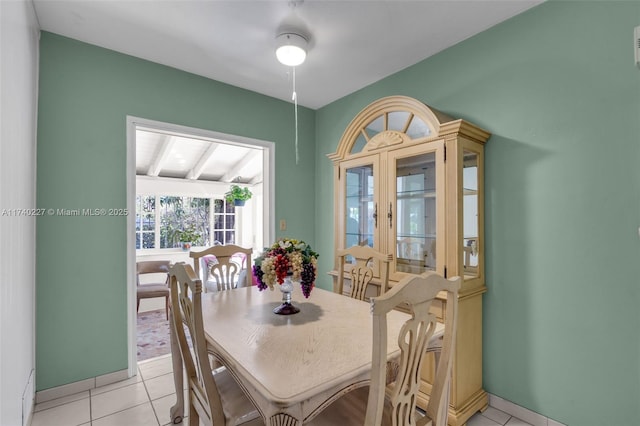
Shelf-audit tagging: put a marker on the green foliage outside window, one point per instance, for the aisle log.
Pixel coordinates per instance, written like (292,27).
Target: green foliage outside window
(181,219)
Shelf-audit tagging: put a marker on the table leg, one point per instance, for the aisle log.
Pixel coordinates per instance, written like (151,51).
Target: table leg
(177,411)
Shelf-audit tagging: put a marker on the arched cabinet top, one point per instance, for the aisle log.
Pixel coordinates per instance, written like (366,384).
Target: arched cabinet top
(398,120)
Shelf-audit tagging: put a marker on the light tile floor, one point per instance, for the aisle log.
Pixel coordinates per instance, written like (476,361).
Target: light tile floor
(145,400)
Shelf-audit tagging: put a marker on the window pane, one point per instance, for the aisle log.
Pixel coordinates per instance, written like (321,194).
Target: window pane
(230,222)
(360,143)
(218,237)
(148,240)
(375,127)
(179,215)
(149,223)
(145,221)
(398,120)
(230,237)
(219,206)
(418,128)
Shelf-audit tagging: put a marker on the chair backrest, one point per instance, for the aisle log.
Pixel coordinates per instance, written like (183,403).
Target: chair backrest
(415,293)
(186,308)
(362,273)
(152,267)
(224,270)
(410,248)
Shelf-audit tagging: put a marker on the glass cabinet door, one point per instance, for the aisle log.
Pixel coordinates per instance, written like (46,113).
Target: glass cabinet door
(470,242)
(360,202)
(414,209)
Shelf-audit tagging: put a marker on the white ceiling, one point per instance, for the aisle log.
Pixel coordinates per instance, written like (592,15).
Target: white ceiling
(173,155)
(353,43)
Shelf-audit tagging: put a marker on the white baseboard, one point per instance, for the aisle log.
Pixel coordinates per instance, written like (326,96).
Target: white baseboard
(81,386)
(522,413)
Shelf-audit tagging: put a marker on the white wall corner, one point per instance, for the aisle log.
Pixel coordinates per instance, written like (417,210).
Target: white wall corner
(28,399)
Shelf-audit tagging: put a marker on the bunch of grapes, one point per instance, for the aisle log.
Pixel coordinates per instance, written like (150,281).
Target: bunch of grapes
(268,272)
(276,251)
(282,267)
(307,278)
(257,271)
(295,263)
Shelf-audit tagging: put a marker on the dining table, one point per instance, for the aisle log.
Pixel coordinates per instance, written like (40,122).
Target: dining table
(290,366)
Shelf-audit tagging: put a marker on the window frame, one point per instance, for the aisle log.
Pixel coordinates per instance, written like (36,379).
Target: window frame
(211,223)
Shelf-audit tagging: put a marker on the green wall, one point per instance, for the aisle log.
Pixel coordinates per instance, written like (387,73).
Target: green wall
(86,93)
(559,92)
(558,89)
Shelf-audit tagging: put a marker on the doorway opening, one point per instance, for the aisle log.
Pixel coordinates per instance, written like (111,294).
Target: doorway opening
(176,180)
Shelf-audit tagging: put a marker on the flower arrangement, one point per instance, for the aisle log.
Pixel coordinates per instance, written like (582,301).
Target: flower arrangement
(287,257)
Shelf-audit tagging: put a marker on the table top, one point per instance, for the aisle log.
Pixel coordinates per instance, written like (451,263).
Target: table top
(290,358)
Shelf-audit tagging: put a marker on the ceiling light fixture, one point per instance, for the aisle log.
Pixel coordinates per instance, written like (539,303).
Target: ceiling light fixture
(292,49)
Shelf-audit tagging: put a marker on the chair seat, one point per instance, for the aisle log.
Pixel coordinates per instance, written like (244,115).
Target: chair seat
(350,410)
(153,290)
(238,409)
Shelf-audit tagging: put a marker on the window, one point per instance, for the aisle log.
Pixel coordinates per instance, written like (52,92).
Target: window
(180,213)
(145,221)
(160,227)
(224,220)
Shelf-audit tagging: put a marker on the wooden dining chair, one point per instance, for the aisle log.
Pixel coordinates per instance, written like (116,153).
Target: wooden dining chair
(228,266)
(155,289)
(214,399)
(361,273)
(394,404)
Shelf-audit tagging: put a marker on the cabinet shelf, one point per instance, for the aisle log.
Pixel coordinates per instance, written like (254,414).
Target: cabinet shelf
(417,236)
(358,234)
(359,198)
(416,196)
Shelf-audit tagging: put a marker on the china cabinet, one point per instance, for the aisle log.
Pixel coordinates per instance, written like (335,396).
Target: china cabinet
(408,180)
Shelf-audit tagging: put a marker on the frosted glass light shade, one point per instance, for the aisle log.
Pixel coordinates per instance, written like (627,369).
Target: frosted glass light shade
(291,49)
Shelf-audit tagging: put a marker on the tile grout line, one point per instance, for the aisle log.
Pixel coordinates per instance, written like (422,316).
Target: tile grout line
(90,410)
(119,411)
(144,383)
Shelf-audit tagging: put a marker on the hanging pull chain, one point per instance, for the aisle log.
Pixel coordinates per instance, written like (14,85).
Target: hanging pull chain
(294,98)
